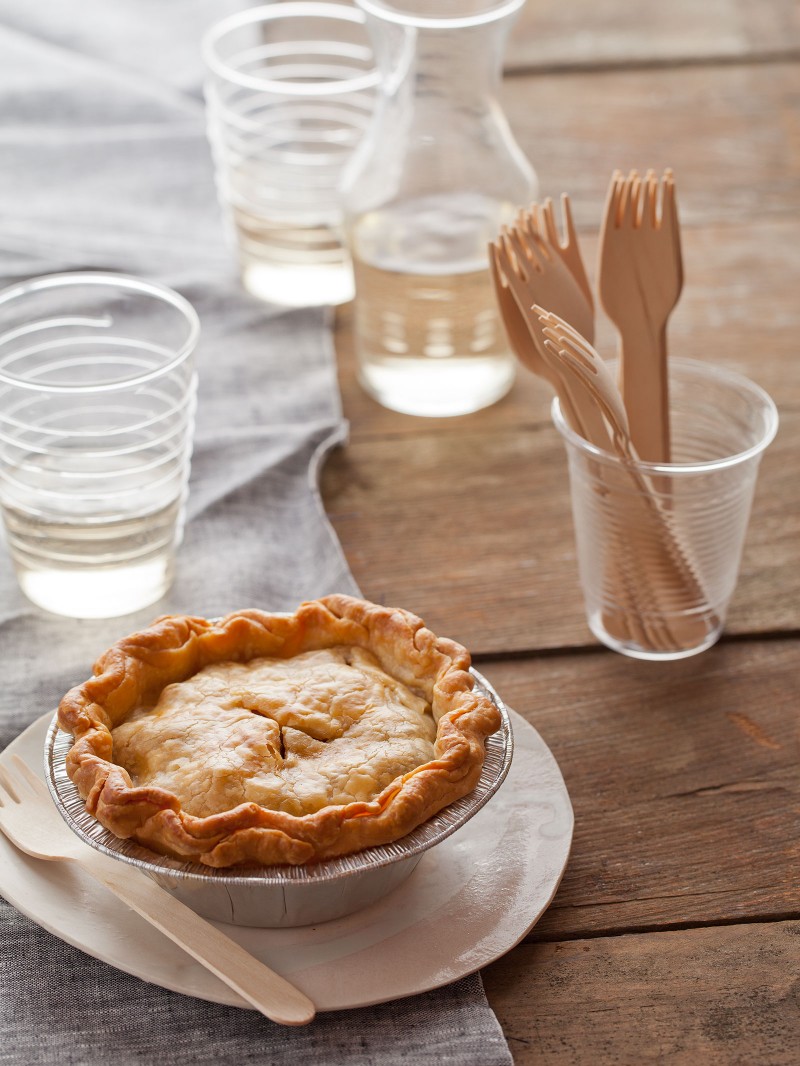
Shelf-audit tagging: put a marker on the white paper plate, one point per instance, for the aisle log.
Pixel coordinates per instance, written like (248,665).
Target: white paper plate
(469,901)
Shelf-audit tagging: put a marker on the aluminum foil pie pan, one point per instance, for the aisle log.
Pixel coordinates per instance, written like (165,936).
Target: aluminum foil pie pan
(283,896)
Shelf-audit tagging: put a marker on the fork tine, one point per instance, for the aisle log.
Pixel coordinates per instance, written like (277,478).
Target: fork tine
(498,277)
(569,347)
(567,357)
(32,780)
(563,328)
(523,250)
(549,223)
(508,270)
(635,196)
(621,199)
(502,255)
(568,235)
(578,367)
(648,197)
(509,262)
(527,218)
(6,787)
(615,419)
(555,334)
(502,287)
(539,221)
(650,201)
(670,222)
(529,233)
(561,334)
(20,780)
(567,220)
(571,252)
(669,212)
(611,209)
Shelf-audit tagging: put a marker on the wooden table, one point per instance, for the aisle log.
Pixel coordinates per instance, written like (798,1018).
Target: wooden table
(675,935)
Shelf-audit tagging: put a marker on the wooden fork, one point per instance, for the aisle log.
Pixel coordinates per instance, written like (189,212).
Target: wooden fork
(640,277)
(30,820)
(565,244)
(626,584)
(656,567)
(527,270)
(524,338)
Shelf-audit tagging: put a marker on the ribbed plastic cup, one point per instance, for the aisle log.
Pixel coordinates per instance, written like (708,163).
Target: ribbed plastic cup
(97,404)
(289,92)
(659,546)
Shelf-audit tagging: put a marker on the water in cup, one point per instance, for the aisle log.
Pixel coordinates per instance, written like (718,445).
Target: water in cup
(96,536)
(289,92)
(292,261)
(91,566)
(97,405)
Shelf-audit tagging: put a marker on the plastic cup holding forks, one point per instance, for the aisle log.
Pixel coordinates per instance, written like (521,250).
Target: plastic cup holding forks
(659,545)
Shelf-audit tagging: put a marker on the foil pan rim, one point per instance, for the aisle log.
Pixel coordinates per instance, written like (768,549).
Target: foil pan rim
(497,762)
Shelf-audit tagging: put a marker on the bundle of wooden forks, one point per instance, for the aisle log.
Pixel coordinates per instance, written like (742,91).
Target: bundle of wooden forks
(548,310)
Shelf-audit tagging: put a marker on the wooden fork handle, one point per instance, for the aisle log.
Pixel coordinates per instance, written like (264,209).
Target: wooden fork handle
(645,392)
(264,989)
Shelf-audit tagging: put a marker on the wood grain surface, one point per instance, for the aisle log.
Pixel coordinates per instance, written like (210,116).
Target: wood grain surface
(675,934)
(585,33)
(683,778)
(473,531)
(730,133)
(698,997)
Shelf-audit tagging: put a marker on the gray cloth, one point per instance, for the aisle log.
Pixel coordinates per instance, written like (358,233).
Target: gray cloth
(94,1015)
(105,166)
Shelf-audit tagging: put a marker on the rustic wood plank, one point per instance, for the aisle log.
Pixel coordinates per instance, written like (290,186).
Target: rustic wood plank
(584,33)
(473,530)
(454,527)
(731,134)
(683,778)
(719,996)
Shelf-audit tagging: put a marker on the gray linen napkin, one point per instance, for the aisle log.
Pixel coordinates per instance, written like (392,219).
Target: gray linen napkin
(105,166)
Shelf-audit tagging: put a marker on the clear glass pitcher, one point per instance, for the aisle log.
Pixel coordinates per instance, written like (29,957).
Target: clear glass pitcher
(436,175)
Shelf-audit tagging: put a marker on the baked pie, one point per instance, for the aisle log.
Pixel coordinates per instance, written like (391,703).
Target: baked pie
(276,739)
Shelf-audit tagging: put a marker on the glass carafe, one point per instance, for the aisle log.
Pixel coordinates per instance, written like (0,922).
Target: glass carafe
(434,178)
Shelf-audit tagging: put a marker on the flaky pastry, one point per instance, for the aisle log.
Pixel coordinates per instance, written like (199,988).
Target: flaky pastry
(276,739)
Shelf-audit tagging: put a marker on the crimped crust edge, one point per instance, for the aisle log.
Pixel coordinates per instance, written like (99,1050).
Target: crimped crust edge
(135,669)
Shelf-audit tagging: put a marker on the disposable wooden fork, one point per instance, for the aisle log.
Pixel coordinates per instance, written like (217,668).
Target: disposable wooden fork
(651,580)
(565,244)
(590,375)
(531,265)
(31,822)
(525,270)
(640,277)
(528,267)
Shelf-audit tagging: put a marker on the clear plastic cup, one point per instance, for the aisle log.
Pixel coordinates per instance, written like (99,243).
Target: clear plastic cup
(97,405)
(289,93)
(659,545)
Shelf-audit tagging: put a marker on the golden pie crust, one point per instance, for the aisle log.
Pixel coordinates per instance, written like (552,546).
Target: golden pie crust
(276,739)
